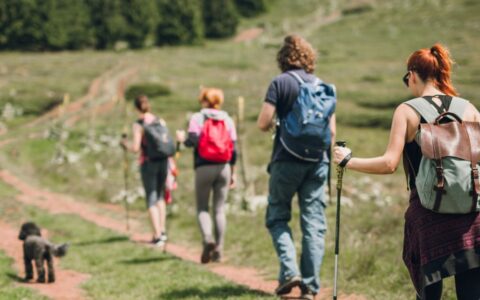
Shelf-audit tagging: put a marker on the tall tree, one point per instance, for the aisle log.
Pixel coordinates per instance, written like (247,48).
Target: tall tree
(180,22)
(108,21)
(141,17)
(21,25)
(67,24)
(220,18)
(250,8)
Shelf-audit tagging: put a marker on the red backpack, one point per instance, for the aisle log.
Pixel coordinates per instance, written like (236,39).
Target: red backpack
(215,144)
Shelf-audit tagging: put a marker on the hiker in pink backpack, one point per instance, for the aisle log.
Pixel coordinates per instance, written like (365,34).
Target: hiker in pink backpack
(212,134)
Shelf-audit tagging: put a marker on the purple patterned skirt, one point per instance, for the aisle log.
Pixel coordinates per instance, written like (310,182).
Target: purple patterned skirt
(439,245)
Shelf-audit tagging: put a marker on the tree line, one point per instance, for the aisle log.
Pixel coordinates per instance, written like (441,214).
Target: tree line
(39,25)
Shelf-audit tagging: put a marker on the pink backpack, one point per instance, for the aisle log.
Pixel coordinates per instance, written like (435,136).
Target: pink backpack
(215,143)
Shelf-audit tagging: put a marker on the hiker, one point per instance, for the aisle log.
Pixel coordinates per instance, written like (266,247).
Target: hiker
(298,166)
(436,244)
(212,134)
(153,164)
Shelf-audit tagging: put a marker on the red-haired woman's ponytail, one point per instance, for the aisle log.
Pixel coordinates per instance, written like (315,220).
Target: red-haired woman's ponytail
(434,64)
(443,70)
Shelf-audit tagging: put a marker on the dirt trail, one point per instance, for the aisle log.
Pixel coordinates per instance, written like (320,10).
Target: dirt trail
(77,105)
(103,94)
(68,282)
(57,203)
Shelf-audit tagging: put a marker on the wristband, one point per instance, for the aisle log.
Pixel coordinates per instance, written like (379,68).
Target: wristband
(345,160)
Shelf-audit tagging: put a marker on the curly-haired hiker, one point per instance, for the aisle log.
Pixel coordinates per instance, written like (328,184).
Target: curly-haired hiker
(298,165)
(436,244)
(153,164)
(212,134)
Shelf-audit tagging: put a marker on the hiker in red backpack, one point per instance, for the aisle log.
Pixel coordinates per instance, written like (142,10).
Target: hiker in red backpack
(436,244)
(212,134)
(152,140)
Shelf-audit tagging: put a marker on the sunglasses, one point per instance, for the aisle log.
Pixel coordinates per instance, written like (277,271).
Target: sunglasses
(405,78)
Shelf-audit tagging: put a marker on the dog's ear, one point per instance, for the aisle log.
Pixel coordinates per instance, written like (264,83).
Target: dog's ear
(22,234)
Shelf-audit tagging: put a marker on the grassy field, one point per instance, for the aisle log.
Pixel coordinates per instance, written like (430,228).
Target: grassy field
(119,269)
(363,53)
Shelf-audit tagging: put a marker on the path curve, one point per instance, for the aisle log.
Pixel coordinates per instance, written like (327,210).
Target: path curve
(57,203)
(104,93)
(67,285)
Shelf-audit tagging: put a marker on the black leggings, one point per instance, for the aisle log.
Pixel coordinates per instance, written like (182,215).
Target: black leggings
(467,286)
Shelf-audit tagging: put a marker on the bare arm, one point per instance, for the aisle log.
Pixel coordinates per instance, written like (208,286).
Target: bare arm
(388,162)
(476,113)
(137,139)
(265,118)
(333,128)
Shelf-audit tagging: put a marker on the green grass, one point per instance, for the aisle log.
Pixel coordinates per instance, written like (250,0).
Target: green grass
(364,54)
(119,269)
(8,277)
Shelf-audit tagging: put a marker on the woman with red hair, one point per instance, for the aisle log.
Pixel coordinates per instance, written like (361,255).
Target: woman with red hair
(212,134)
(436,245)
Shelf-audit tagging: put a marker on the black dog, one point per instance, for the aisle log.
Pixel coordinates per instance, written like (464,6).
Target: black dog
(39,249)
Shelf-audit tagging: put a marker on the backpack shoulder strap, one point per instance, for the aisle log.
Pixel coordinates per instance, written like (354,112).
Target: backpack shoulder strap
(425,109)
(458,106)
(140,122)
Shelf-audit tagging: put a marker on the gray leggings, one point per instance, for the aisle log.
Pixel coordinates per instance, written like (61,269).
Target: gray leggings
(216,178)
(154,175)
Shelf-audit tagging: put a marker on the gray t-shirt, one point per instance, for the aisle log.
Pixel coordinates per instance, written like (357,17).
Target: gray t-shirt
(282,93)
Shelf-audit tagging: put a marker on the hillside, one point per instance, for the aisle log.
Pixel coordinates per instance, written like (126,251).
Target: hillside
(362,46)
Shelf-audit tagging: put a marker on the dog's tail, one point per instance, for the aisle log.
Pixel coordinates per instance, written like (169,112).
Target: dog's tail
(59,250)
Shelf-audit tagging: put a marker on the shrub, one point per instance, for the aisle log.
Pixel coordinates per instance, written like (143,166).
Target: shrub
(250,8)
(220,18)
(149,89)
(180,22)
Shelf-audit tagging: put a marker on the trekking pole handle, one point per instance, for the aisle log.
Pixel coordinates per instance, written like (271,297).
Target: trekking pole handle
(339,167)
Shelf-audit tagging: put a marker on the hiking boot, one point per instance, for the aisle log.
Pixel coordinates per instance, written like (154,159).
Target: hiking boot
(216,256)
(286,287)
(207,253)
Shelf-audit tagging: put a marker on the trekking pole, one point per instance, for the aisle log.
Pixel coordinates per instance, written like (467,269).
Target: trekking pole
(125,178)
(337,221)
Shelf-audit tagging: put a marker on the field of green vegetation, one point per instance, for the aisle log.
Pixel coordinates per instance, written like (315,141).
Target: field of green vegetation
(363,51)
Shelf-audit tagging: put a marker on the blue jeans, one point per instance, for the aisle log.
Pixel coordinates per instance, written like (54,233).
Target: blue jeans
(308,180)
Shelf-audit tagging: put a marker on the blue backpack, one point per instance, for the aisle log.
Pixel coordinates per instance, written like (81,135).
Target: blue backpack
(305,131)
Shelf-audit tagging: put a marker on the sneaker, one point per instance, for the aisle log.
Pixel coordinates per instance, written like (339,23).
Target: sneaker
(307,294)
(163,237)
(158,242)
(207,253)
(287,286)
(216,256)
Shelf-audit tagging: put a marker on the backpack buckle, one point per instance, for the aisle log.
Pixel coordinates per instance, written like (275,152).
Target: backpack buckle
(475,173)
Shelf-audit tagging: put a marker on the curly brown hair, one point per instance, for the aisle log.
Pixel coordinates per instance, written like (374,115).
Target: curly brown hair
(296,53)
